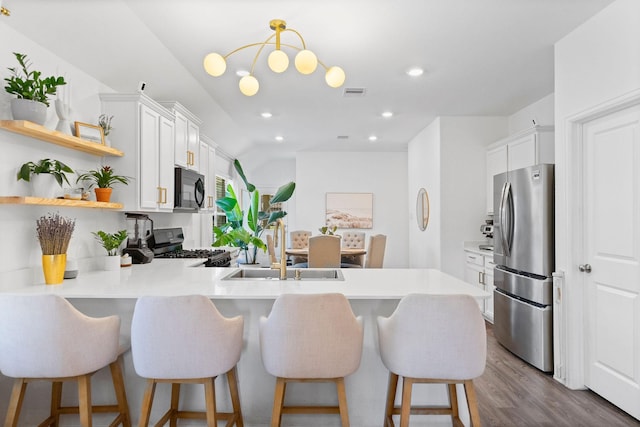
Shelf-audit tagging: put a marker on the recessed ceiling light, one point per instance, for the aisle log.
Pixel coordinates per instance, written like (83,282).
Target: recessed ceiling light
(387,114)
(279,138)
(373,138)
(266,115)
(242,73)
(415,71)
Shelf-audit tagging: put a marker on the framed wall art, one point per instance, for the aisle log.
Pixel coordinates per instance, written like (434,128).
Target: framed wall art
(349,210)
(89,132)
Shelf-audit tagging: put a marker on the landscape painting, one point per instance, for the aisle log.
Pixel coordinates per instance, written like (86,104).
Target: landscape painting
(349,210)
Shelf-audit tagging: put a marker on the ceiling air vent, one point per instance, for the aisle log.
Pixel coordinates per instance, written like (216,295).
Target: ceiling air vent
(343,136)
(354,91)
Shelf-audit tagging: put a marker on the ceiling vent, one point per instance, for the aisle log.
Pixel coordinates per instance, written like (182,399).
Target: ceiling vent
(352,92)
(343,136)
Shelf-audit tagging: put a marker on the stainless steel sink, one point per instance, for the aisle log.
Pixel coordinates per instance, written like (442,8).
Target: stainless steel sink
(272,274)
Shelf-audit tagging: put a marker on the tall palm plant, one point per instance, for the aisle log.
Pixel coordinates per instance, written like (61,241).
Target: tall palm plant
(244,233)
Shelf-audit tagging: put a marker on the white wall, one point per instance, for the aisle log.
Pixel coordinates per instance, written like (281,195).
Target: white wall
(542,111)
(594,65)
(384,174)
(448,159)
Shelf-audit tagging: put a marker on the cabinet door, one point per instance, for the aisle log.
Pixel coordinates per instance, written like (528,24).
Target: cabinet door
(181,141)
(149,148)
(211,189)
(496,163)
(166,165)
(522,152)
(473,274)
(193,145)
(203,168)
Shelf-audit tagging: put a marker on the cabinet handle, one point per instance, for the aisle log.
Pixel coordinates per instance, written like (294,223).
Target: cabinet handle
(159,201)
(164,199)
(210,205)
(189,158)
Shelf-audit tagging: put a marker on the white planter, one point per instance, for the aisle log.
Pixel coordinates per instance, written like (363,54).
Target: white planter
(112,263)
(25,109)
(44,185)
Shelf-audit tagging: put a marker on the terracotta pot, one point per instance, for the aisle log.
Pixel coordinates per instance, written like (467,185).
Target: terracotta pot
(53,267)
(103,194)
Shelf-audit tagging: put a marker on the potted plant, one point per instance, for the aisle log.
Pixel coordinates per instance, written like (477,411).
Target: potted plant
(330,231)
(234,233)
(32,91)
(111,242)
(103,179)
(31,172)
(54,233)
(104,122)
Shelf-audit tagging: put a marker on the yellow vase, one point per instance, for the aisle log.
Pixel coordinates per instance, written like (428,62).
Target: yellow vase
(53,267)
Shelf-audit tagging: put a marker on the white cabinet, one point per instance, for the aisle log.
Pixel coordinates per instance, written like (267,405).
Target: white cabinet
(187,139)
(147,130)
(211,180)
(207,167)
(479,272)
(527,148)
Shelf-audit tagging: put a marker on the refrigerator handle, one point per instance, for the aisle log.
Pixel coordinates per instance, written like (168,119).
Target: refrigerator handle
(506,239)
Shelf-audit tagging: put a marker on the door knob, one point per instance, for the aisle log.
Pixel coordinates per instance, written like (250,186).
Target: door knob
(586,268)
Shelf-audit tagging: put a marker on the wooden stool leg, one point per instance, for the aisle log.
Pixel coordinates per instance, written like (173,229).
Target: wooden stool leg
(278,402)
(453,403)
(84,400)
(147,401)
(342,402)
(121,394)
(15,404)
(56,399)
(472,401)
(175,404)
(391,399)
(405,411)
(210,398)
(232,379)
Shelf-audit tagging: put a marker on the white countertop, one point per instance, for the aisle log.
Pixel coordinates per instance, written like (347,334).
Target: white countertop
(474,246)
(170,277)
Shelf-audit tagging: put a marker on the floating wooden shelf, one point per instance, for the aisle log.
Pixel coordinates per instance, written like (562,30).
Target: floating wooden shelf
(34,130)
(21,200)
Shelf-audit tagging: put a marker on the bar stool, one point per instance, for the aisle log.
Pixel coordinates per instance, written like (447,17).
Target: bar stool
(433,339)
(45,338)
(185,340)
(311,338)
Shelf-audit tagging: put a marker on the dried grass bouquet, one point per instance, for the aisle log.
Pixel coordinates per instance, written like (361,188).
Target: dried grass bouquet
(54,233)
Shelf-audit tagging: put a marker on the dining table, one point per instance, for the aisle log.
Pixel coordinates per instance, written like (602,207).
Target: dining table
(343,251)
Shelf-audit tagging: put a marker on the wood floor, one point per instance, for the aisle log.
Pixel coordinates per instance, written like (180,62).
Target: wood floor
(512,393)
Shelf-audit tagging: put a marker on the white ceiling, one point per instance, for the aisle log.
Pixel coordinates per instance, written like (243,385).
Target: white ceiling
(481,57)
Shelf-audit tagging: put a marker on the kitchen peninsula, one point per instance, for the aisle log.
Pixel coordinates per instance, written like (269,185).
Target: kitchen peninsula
(372,293)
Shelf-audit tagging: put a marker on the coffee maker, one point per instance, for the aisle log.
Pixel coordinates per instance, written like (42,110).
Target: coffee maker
(487,230)
(139,231)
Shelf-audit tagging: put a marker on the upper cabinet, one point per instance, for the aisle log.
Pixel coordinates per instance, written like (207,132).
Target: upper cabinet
(207,168)
(527,148)
(147,129)
(187,136)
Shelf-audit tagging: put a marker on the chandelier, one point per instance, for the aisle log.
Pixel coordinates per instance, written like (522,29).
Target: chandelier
(305,61)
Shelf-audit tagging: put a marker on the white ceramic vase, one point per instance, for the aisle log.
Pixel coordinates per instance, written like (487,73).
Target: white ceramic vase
(44,185)
(63,110)
(112,263)
(26,109)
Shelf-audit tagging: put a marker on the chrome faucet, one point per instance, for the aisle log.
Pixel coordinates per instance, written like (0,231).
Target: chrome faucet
(282,265)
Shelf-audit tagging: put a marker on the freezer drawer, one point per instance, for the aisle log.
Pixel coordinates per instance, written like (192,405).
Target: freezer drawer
(524,329)
(539,290)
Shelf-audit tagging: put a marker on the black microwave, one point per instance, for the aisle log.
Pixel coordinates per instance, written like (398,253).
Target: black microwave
(189,190)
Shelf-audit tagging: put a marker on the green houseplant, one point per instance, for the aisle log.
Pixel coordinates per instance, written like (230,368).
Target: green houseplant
(103,179)
(35,173)
(244,232)
(32,91)
(111,242)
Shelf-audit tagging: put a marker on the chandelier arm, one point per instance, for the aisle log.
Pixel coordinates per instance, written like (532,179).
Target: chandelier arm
(268,42)
(304,46)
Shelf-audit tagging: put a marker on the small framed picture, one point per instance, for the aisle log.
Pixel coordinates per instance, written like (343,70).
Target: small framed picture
(90,132)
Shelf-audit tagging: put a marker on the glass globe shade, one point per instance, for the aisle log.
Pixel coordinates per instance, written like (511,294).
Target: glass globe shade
(249,85)
(335,76)
(278,61)
(215,64)
(306,62)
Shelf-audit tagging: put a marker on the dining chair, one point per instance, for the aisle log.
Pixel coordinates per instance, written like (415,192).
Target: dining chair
(353,240)
(308,339)
(299,239)
(324,251)
(437,339)
(375,252)
(45,338)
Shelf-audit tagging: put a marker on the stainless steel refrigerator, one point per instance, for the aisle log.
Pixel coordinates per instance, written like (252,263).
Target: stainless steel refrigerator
(525,260)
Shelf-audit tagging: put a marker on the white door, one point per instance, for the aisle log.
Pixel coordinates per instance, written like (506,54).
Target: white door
(612,254)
